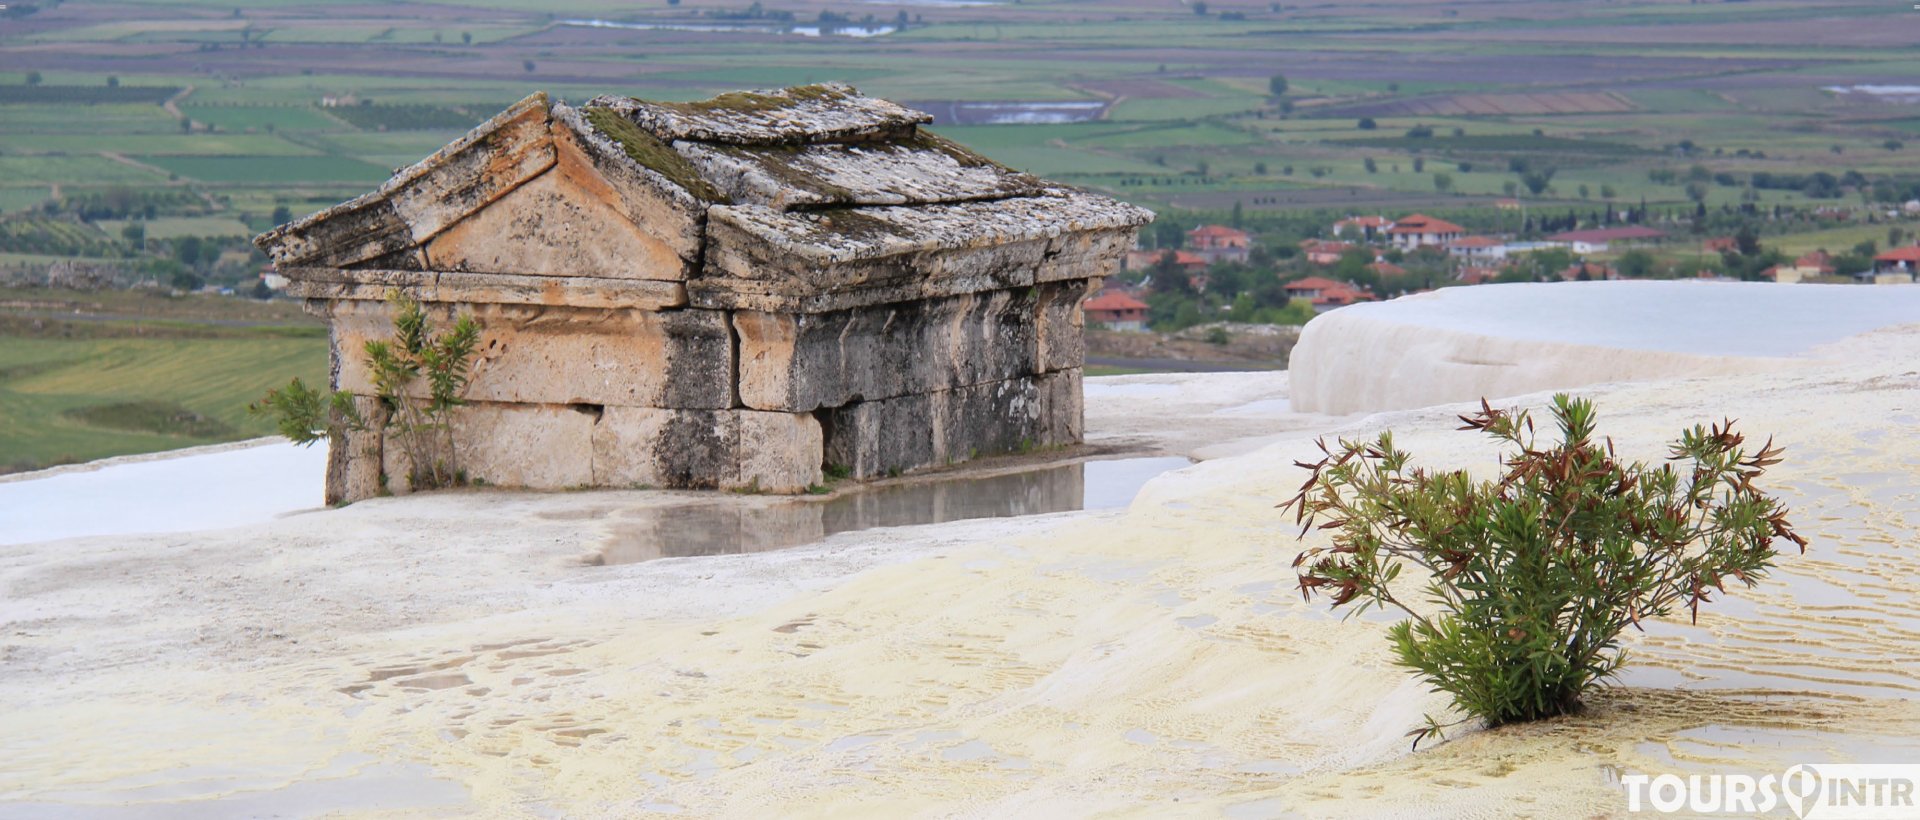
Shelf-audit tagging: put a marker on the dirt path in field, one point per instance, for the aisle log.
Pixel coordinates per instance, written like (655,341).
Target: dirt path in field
(172,104)
(123,159)
(212,204)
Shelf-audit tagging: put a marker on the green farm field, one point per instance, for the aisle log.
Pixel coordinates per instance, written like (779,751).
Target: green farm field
(46,385)
(1602,94)
(91,375)
(135,130)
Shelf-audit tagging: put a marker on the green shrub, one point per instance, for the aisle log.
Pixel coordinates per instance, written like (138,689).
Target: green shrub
(422,427)
(305,415)
(1535,575)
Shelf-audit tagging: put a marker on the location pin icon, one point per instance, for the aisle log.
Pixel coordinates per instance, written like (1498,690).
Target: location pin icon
(1801,787)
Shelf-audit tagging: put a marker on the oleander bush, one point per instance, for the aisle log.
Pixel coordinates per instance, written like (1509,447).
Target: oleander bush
(423,427)
(1534,574)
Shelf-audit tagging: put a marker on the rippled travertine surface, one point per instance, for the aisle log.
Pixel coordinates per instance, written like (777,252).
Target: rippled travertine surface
(453,655)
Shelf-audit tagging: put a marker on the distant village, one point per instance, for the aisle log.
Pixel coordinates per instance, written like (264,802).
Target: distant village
(1222,273)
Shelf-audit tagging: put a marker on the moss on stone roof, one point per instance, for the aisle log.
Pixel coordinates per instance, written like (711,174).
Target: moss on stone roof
(824,112)
(652,153)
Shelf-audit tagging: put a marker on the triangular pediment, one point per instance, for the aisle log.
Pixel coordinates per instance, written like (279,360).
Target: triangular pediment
(572,220)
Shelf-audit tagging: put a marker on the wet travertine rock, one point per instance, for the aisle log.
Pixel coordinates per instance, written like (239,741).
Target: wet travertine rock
(729,293)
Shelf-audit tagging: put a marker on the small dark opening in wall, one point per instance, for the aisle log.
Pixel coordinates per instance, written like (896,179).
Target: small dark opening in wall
(825,416)
(594,410)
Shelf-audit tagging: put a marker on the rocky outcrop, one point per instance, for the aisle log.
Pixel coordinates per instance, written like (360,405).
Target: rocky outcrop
(737,293)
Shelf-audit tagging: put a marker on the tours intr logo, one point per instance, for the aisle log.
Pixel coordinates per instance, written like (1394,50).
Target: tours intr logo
(1827,791)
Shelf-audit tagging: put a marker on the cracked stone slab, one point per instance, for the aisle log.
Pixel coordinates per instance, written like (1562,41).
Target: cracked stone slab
(814,113)
(804,362)
(878,438)
(925,169)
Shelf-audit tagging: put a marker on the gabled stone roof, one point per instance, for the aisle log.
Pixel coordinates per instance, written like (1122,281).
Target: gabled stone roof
(815,174)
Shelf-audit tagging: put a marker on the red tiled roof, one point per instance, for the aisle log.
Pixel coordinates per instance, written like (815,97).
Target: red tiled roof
(1315,283)
(1365,221)
(1216,230)
(1344,294)
(1474,276)
(1387,269)
(1608,234)
(1423,224)
(1114,301)
(1910,253)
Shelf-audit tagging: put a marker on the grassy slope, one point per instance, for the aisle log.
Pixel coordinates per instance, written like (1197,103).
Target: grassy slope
(40,379)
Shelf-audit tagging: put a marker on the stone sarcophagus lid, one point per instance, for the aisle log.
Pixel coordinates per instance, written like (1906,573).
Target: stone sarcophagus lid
(733,293)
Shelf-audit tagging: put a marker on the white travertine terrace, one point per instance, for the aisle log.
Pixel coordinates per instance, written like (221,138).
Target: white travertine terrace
(1462,344)
(448,654)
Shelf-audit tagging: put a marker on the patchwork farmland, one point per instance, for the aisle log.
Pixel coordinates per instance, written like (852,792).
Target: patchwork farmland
(144,141)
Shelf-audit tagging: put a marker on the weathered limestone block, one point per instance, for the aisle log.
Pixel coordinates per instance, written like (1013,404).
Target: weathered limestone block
(557,355)
(1060,338)
(1064,398)
(803,362)
(646,446)
(705,449)
(1085,255)
(538,446)
(744,275)
(877,438)
(354,461)
(750,280)
(532,446)
(779,452)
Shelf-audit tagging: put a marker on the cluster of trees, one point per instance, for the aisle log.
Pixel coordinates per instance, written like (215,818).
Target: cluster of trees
(406,116)
(1816,185)
(753,12)
(121,202)
(190,262)
(1234,293)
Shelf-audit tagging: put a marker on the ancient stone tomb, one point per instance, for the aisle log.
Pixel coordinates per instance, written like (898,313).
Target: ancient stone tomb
(732,293)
